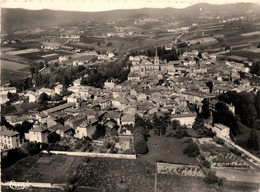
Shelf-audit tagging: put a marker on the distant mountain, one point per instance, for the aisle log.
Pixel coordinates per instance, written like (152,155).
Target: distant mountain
(17,19)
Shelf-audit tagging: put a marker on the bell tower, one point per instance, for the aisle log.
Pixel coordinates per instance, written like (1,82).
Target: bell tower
(156,58)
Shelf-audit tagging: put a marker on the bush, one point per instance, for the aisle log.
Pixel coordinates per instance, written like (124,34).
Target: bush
(53,137)
(235,151)
(141,146)
(192,150)
(13,155)
(206,164)
(211,178)
(56,147)
(31,148)
(220,141)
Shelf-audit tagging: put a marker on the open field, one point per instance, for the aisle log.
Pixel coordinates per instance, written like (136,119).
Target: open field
(23,51)
(54,169)
(167,149)
(167,183)
(251,33)
(7,75)
(10,65)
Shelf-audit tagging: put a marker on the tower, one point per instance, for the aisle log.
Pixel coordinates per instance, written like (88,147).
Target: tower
(156,58)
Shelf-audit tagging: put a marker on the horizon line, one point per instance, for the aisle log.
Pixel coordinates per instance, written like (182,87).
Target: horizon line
(123,8)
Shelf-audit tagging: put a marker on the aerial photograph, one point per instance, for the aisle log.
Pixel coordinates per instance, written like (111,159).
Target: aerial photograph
(130,96)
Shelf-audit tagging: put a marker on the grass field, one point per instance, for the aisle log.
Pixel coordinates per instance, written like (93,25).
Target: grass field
(167,149)
(167,183)
(55,169)
(10,65)
(6,75)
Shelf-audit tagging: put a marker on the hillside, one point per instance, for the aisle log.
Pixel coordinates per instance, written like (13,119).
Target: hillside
(16,19)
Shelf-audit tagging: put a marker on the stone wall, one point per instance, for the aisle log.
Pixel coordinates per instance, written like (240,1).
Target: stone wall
(86,154)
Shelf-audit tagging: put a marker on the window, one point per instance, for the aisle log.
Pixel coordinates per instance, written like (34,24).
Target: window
(8,142)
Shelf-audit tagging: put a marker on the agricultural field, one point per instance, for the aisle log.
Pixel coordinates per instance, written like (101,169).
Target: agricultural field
(54,168)
(23,51)
(167,183)
(167,149)
(12,70)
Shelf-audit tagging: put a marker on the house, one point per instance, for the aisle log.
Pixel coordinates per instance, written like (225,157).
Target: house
(185,119)
(39,133)
(41,117)
(9,139)
(127,119)
(109,84)
(222,130)
(142,97)
(72,98)
(58,89)
(48,91)
(111,127)
(64,131)
(75,121)
(33,96)
(85,130)
(114,115)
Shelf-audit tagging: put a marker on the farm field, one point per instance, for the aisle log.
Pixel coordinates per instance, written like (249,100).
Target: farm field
(23,51)
(167,149)
(10,65)
(168,183)
(6,75)
(55,169)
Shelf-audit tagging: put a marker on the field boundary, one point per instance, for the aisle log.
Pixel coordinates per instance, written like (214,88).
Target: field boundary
(86,154)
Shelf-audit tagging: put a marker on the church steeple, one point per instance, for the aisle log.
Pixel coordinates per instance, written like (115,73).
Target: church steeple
(156,58)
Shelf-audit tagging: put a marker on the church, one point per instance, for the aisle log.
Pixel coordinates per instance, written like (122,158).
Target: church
(147,68)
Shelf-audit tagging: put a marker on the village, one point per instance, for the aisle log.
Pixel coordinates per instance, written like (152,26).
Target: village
(116,107)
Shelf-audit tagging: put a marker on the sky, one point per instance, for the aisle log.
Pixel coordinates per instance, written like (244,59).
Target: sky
(104,5)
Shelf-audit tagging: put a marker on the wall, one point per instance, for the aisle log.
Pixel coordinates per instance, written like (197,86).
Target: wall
(85,154)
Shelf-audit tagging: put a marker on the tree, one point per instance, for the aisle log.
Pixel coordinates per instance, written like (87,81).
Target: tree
(256,124)
(191,150)
(257,103)
(57,97)
(99,132)
(31,148)
(199,55)
(252,142)
(32,70)
(53,137)
(140,145)
(43,98)
(205,112)
(209,84)
(255,68)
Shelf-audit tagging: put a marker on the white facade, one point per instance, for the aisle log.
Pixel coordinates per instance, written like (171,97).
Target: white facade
(185,120)
(9,139)
(222,130)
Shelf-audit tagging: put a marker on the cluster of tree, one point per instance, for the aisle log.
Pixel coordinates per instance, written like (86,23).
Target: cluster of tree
(114,70)
(175,129)
(169,55)
(140,133)
(53,137)
(205,112)
(12,156)
(252,142)
(84,144)
(12,97)
(223,115)
(20,128)
(247,106)
(21,85)
(200,127)
(255,68)
(99,132)
(192,149)
(211,178)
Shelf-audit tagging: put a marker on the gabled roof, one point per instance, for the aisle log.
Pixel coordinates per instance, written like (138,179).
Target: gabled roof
(10,133)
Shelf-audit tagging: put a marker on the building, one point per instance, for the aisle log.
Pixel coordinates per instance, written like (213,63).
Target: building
(85,129)
(9,139)
(39,134)
(145,67)
(222,130)
(185,119)
(109,84)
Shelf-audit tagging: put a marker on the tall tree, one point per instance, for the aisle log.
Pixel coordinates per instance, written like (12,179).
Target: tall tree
(209,84)
(252,142)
